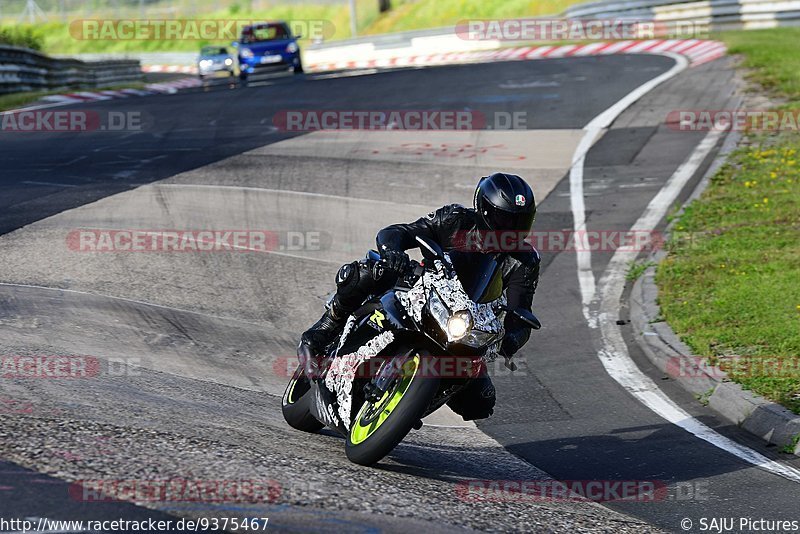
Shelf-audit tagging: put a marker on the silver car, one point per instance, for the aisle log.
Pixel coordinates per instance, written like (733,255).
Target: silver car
(217,61)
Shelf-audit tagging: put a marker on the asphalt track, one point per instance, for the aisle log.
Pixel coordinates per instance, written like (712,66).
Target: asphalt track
(209,337)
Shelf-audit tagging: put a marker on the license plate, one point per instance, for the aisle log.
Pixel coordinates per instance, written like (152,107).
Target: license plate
(271,59)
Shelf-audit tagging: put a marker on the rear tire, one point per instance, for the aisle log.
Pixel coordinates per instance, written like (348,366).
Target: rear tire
(296,403)
(379,427)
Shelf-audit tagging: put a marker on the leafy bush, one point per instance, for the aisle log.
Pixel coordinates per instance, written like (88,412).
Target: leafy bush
(20,36)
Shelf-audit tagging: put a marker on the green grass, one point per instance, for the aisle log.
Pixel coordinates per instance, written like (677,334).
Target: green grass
(792,445)
(54,37)
(773,55)
(637,269)
(18,100)
(730,285)
(437,13)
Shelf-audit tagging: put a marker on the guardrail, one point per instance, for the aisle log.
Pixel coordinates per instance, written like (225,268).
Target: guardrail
(22,69)
(718,14)
(714,14)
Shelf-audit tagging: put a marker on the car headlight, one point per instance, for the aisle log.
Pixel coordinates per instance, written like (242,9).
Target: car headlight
(292,48)
(228,61)
(206,62)
(246,52)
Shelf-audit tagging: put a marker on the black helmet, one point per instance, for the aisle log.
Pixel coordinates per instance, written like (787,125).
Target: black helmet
(505,202)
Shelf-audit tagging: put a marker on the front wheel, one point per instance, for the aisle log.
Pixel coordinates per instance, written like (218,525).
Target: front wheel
(380,426)
(296,403)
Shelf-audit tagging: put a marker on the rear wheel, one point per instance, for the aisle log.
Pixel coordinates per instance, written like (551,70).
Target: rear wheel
(381,425)
(296,403)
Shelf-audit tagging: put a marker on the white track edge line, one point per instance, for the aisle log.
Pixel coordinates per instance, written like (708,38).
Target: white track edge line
(586,278)
(614,353)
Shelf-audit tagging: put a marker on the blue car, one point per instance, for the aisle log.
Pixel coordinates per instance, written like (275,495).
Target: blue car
(268,47)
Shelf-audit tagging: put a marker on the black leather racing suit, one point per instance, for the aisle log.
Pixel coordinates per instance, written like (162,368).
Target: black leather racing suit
(447,226)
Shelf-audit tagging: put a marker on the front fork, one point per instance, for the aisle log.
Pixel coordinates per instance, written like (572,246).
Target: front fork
(389,373)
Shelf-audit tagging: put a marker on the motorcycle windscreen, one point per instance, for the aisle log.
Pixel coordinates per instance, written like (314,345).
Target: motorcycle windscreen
(480,275)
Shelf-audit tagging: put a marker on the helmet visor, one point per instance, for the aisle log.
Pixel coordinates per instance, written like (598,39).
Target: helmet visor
(504,221)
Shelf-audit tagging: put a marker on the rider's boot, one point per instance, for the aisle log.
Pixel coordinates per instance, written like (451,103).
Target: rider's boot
(323,332)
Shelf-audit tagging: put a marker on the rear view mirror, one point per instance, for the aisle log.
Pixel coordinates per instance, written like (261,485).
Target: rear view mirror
(430,250)
(527,317)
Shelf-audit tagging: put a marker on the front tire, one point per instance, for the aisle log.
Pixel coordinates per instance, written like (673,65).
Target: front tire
(380,426)
(296,403)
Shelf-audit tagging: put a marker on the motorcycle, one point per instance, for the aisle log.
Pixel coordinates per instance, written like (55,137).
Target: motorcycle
(403,354)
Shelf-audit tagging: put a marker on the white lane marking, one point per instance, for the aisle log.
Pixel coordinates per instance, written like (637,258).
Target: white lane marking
(347,74)
(63,99)
(592,131)
(290,192)
(614,354)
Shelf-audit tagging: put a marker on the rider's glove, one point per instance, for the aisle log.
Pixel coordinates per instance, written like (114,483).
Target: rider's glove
(513,341)
(395,260)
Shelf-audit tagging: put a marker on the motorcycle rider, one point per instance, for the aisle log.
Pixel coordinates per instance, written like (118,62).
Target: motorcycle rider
(504,210)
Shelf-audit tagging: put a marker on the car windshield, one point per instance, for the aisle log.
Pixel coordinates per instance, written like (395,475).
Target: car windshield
(479,274)
(265,32)
(213,51)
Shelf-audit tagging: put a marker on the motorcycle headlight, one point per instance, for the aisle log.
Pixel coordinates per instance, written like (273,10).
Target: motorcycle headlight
(455,325)
(438,309)
(292,48)
(246,53)
(479,338)
(458,325)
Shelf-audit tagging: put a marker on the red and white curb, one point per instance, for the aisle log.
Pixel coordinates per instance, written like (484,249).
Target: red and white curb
(150,89)
(695,50)
(185,69)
